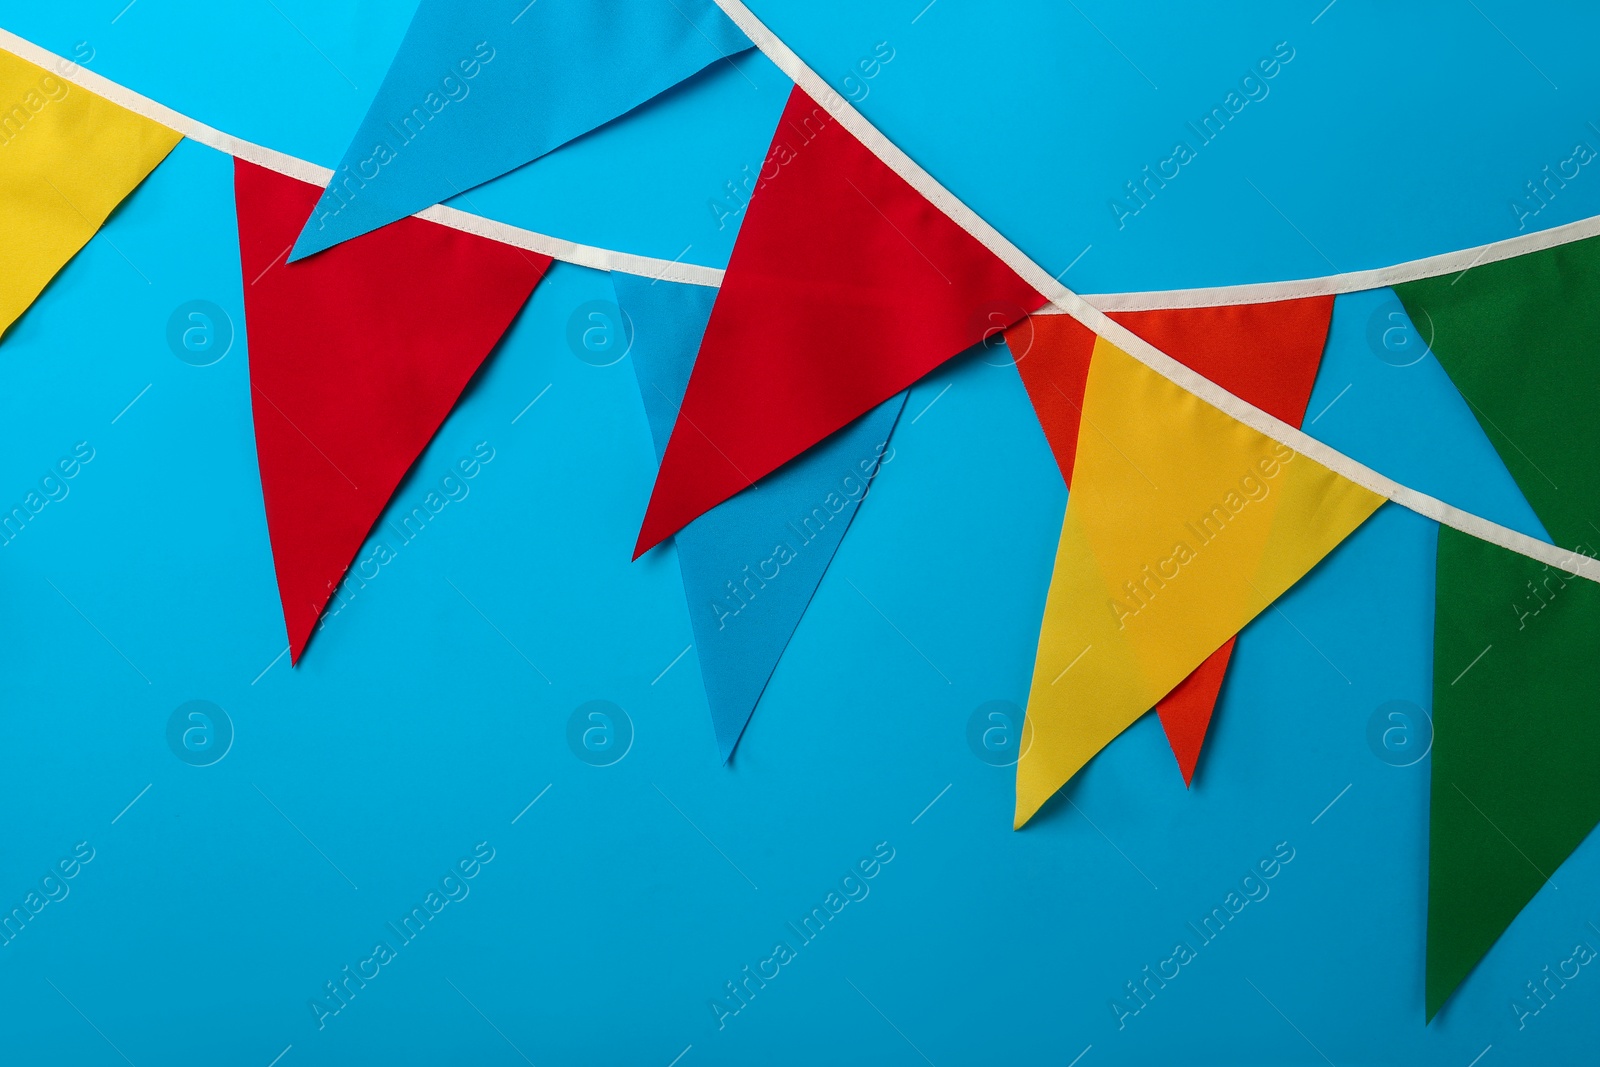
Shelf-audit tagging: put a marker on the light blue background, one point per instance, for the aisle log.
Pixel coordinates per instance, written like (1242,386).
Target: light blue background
(619,904)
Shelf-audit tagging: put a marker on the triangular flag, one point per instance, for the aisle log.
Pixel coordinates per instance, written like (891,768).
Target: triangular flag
(356,358)
(845,286)
(67,158)
(479,89)
(1383,400)
(1266,354)
(1186,711)
(1519,338)
(667,321)
(1052,354)
(751,564)
(1516,743)
(1182,525)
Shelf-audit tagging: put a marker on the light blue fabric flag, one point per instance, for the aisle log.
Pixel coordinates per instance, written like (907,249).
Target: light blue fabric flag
(480,87)
(751,564)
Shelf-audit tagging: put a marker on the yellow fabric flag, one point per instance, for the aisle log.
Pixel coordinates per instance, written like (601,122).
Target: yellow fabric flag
(1182,524)
(67,158)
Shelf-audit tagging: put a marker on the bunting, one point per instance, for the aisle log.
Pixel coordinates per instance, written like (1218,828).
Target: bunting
(1384,400)
(846,285)
(1516,742)
(1185,712)
(1518,338)
(479,89)
(1182,525)
(1052,354)
(751,564)
(1267,354)
(67,159)
(356,358)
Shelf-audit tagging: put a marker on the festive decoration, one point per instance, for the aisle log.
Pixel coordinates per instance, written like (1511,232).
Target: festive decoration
(1267,354)
(1383,399)
(479,89)
(1182,525)
(845,286)
(855,274)
(1052,354)
(1186,711)
(1518,338)
(1516,741)
(751,564)
(351,374)
(67,159)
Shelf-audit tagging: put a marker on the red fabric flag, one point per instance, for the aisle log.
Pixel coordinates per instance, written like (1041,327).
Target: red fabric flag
(846,285)
(356,357)
(1266,354)
(1186,711)
(1052,355)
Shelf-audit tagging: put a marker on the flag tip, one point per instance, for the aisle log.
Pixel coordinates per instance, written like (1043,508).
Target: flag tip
(304,246)
(1020,819)
(650,535)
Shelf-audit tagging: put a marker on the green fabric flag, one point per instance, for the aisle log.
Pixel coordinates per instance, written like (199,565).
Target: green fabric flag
(1521,341)
(1516,671)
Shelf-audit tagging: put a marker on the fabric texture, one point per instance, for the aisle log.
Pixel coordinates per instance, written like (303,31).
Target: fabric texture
(1186,711)
(1400,414)
(1516,743)
(67,159)
(356,357)
(1266,354)
(1518,338)
(1052,354)
(751,564)
(1182,525)
(845,286)
(479,89)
